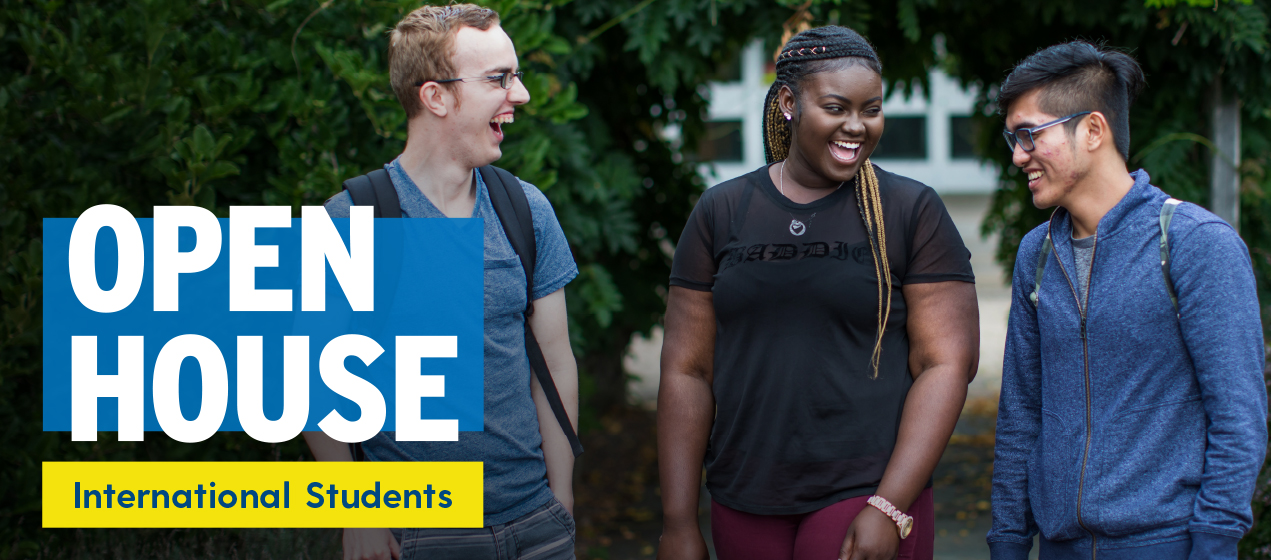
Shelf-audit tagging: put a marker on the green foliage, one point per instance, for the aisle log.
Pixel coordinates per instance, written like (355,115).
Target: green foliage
(146,102)
(217,104)
(1184,50)
(1193,3)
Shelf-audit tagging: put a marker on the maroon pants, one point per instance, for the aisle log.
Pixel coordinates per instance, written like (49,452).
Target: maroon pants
(818,535)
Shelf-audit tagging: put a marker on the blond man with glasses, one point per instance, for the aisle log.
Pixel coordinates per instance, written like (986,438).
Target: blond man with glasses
(455,72)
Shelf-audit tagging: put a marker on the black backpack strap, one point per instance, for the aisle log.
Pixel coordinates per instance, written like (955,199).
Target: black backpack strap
(513,208)
(355,449)
(375,189)
(1047,246)
(1167,214)
(539,364)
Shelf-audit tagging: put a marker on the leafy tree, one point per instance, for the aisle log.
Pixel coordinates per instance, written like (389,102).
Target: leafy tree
(243,102)
(217,104)
(1184,49)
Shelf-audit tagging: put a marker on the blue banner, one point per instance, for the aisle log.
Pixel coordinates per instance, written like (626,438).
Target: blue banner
(424,329)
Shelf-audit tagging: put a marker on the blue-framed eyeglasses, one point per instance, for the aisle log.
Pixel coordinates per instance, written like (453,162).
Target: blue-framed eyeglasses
(1024,136)
(504,79)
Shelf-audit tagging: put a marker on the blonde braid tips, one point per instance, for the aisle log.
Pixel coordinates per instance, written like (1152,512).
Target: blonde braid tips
(869,201)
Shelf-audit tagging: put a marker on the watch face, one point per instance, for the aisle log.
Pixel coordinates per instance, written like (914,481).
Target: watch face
(906,526)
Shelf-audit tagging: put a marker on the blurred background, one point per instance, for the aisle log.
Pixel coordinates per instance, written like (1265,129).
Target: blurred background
(637,107)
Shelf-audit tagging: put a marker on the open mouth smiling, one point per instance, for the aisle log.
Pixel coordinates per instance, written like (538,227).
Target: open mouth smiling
(1034,177)
(496,124)
(845,152)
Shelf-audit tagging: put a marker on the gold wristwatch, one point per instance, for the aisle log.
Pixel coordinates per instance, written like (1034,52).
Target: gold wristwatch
(904,523)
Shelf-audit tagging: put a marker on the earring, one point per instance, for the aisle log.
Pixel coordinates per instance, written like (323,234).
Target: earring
(787,116)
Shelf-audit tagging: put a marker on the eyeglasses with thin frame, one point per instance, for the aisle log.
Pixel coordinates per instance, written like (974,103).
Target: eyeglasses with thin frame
(1024,136)
(504,79)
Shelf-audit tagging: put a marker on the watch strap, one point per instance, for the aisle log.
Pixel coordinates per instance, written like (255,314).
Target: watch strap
(902,521)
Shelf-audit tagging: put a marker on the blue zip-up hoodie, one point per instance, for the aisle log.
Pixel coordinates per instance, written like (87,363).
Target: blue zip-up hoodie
(1131,432)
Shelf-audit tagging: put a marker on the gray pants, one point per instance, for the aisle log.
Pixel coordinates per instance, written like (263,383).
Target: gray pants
(547,533)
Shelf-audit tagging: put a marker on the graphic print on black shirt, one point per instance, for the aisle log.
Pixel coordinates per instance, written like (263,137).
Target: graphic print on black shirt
(799,423)
(840,250)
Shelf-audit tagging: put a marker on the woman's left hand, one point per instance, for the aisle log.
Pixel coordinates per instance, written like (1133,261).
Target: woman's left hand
(871,536)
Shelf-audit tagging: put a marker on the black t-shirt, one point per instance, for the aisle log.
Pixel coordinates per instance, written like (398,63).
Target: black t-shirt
(799,422)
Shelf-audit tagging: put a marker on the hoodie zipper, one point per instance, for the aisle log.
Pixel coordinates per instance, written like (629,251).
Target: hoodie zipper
(1085,358)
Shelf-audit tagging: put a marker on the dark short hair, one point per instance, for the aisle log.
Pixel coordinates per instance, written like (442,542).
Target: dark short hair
(1075,77)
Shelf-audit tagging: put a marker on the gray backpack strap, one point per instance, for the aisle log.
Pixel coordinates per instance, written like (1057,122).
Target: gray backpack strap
(1167,214)
(1047,246)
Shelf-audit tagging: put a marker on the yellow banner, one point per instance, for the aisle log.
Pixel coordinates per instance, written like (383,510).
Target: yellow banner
(264,494)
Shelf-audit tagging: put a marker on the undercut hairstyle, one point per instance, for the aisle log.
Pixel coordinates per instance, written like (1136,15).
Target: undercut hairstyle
(422,48)
(830,49)
(1075,77)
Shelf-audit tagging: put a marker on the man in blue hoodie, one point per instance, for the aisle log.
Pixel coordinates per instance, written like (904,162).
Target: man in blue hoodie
(1132,420)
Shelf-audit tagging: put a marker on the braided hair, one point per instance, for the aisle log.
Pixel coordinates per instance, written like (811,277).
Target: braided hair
(820,50)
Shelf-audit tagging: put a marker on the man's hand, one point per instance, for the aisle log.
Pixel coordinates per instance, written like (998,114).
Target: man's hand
(567,502)
(370,544)
(871,536)
(682,544)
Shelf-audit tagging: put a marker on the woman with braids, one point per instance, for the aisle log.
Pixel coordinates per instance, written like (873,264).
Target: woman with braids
(821,330)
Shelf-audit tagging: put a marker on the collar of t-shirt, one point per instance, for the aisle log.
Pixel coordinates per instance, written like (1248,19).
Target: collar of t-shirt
(415,204)
(1083,255)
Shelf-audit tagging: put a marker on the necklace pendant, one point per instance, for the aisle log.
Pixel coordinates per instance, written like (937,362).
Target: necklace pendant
(797,228)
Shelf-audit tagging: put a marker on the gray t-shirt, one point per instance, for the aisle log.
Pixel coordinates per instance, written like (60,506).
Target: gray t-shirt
(1083,255)
(510,446)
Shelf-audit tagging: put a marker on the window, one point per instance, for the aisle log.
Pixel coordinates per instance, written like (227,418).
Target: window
(962,138)
(903,138)
(721,142)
